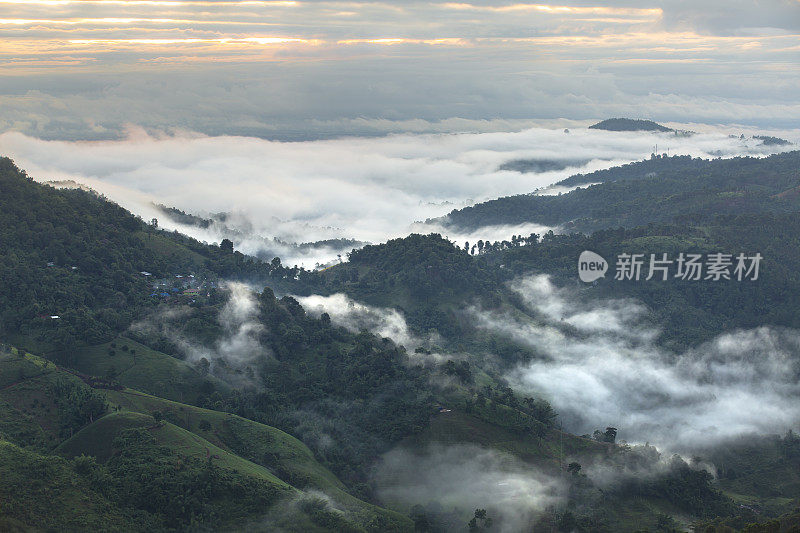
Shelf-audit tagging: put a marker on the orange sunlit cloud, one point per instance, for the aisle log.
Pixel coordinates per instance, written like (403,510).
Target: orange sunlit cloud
(489,57)
(127,20)
(167,3)
(195,40)
(633,38)
(665,44)
(453,41)
(150,33)
(567,10)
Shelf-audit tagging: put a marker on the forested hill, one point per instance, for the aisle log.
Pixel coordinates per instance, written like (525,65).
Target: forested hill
(76,271)
(70,254)
(662,189)
(628,124)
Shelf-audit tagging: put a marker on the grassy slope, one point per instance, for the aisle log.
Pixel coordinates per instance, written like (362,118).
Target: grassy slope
(282,454)
(148,370)
(755,474)
(457,427)
(97,439)
(234,433)
(27,412)
(44,493)
(239,444)
(168,248)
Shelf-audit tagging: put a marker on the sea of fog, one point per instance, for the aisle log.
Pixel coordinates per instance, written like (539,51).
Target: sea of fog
(367,189)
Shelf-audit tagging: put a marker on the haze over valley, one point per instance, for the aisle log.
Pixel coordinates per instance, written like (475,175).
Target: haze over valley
(359,189)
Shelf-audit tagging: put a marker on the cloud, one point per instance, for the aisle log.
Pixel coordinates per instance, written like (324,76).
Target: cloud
(368,189)
(240,345)
(82,70)
(356,316)
(237,353)
(468,477)
(382,321)
(600,367)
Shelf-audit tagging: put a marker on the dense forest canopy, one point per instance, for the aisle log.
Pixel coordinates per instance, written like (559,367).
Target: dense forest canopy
(661,189)
(73,254)
(628,124)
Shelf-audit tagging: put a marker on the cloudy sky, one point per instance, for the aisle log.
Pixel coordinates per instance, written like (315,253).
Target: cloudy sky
(88,69)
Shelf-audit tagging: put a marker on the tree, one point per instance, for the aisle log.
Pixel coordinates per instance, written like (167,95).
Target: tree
(610,434)
(226,246)
(539,431)
(574,468)
(479,522)
(325,319)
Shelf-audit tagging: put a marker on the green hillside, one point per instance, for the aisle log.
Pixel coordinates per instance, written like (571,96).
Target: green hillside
(280,453)
(318,381)
(271,465)
(183,403)
(45,493)
(97,440)
(43,405)
(262,444)
(628,124)
(662,189)
(137,366)
(74,255)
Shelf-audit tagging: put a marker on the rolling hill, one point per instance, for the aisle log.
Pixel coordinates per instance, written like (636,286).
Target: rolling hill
(629,124)
(275,467)
(663,189)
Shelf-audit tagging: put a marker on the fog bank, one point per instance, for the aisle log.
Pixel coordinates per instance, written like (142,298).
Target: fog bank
(600,367)
(367,189)
(468,477)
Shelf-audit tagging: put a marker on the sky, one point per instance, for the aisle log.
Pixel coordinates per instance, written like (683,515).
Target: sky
(303,69)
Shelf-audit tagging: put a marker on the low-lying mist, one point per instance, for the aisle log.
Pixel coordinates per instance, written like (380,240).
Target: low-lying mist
(600,366)
(465,478)
(236,352)
(366,189)
(382,321)
(356,316)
